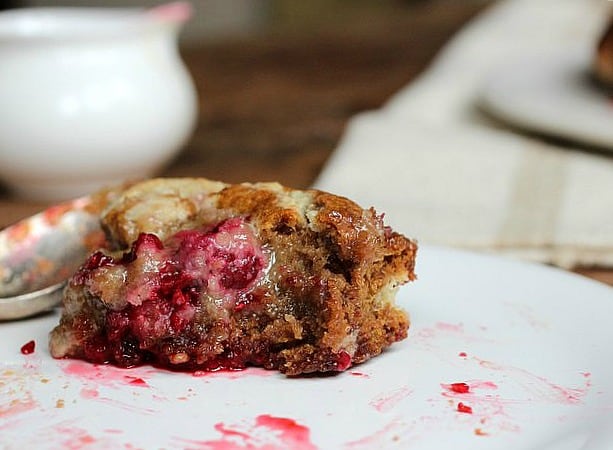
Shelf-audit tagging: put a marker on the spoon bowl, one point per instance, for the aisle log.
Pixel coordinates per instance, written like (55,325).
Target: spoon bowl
(32,303)
(38,254)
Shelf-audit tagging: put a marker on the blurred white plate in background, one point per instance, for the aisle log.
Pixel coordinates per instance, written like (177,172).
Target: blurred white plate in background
(553,95)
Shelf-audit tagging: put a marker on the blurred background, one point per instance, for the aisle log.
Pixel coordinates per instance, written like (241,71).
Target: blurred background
(219,19)
(278,79)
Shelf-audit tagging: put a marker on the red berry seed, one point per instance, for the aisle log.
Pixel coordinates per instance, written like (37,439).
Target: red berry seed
(464,408)
(28,347)
(460,388)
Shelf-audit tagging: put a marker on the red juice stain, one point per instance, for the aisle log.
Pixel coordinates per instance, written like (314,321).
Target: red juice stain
(229,432)
(483,385)
(267,433)
(72,438)
(89,393)
(16,407)
(467,387)
(460,388)
(137,381)
(290,431)
(28,348)
(85,370)
(102,374)
(359,374)
(462,355)
(463,408)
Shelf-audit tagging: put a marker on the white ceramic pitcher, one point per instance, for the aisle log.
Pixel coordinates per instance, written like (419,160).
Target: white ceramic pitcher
(90,97)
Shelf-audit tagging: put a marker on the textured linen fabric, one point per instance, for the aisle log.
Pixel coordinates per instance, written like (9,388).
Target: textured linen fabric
(445,174)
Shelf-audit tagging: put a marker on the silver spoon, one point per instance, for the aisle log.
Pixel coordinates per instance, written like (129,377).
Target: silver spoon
(38,254)
(32,303)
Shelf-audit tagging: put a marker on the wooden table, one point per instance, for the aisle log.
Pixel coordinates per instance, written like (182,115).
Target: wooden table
(273,107)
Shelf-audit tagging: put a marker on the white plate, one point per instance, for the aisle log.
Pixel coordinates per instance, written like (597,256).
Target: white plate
(532,343)
(554,95)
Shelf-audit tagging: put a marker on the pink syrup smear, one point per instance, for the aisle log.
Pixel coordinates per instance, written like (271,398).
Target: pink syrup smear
(104,374)
(111,376)
(493,410)
(387,401)
(67,436)
(92,376)
(89,394)
(267,433)
(451,327)
(389,433)
(359,374)
(17,406)
(539,388)
(455,331)
(75,438)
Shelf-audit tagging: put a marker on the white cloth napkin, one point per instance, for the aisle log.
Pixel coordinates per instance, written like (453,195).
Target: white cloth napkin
(444,175)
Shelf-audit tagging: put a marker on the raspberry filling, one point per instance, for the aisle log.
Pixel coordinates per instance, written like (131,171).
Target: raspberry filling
(162,295)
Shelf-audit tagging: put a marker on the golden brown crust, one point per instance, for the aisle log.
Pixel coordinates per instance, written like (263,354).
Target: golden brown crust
(262,202)
(161,206)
